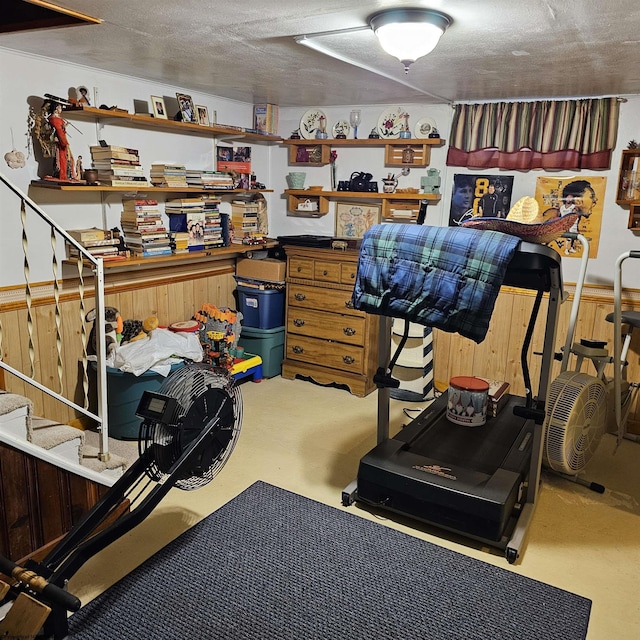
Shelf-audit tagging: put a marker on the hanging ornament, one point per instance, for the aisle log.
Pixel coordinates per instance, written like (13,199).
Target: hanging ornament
(15,159)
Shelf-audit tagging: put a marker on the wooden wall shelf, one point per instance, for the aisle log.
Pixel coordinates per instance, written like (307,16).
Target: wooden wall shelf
(141,120)
(44,184)
(396,207)
(318,152)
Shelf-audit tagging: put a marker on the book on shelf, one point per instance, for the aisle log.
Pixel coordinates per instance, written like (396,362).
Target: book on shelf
(74,252)
(115,155)
(265,118)
(115,171)
(111,147)
(90,235)
(107,163)
(126,183)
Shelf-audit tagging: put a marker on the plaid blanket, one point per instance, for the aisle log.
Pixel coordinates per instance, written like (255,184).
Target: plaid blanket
(443,277)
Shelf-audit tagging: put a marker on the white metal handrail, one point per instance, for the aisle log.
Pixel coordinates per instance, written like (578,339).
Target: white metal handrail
(101,417)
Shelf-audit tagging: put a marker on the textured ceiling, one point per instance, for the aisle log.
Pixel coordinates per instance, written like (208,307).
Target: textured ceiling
(246,50)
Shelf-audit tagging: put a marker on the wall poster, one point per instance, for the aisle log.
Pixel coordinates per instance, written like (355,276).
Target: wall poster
(475,195)
(579,194)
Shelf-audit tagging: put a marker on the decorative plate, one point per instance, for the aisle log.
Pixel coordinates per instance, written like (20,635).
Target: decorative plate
(310,123)
(390,124)
(341,128)
(424,127)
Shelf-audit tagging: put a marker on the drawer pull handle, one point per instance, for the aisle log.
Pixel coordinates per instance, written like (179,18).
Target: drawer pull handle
(298,322)
(349,331)
(300,297)
(348,359)
(352,275)
(299,269)
(297,349)
(348,304)
(325,272)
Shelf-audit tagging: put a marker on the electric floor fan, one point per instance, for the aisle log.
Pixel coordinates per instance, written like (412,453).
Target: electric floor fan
(576,408)
(189,429)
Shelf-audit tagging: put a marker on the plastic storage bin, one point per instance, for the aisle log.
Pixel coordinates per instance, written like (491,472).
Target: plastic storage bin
(124,391)
(261,308)
(268,344)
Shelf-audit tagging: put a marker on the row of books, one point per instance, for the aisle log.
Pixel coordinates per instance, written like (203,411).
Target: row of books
(201,220)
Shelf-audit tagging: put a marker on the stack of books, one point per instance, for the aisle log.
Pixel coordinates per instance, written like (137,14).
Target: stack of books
(168,175)
(216,180)
(187,215)
(214,235)
(118,166)
(179,241)
(144,231)
(101,243)
(244,220)
(194,178)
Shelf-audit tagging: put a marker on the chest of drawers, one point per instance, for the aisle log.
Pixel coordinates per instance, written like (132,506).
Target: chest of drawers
(327,340)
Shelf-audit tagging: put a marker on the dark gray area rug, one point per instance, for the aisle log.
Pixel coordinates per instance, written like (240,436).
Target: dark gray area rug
(273,565)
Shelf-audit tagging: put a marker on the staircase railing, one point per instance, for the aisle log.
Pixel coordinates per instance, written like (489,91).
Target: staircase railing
(83,260)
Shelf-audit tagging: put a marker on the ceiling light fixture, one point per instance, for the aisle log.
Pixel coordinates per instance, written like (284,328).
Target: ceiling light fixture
(409,34)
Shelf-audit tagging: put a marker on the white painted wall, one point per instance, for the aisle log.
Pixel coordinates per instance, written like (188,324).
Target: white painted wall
(24,80)
(615,237)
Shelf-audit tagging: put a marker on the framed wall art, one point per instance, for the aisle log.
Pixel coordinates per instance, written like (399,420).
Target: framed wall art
(158,108)
(187,108)
(354,218)
(203,115)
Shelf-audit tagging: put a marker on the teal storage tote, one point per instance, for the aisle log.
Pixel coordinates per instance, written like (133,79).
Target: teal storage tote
(261,308)
(266,343)
(124,391)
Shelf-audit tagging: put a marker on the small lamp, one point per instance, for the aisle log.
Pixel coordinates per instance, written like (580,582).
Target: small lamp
(409,34)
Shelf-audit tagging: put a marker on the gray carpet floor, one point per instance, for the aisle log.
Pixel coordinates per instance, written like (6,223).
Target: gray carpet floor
(273,565)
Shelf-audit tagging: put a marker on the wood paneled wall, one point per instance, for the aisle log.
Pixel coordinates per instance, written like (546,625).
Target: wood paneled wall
(177,296)
(171,294)
(38,502)
(498,356)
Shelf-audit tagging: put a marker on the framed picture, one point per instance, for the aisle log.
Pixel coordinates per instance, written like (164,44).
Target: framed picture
(203,115)
(187,109)
(157,105)
(84,99)
(354,218)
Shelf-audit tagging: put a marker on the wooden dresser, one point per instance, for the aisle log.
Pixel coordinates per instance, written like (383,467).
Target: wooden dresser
(327,340)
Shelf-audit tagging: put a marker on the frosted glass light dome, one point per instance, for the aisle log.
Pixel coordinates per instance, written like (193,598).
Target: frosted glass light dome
(409,34)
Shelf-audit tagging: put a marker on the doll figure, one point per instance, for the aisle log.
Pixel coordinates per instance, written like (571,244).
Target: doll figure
(64,165)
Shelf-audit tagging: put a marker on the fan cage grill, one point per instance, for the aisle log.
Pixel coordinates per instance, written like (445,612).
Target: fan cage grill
(576,420)
(208,399)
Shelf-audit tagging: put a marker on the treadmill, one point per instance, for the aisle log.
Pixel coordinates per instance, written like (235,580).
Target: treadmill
(482,481)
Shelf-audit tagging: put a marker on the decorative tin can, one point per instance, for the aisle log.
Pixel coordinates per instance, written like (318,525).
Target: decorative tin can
(467,401)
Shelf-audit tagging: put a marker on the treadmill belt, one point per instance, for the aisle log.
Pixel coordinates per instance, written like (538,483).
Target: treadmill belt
(481,449)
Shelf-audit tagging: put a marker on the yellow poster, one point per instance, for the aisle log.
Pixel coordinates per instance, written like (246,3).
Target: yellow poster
(583,194)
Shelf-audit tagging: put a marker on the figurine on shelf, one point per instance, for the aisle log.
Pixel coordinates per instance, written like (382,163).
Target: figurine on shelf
(405,133)
(374,135)
(295,135)
(321,132)
(431,182)
(433,134)
(64,166)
